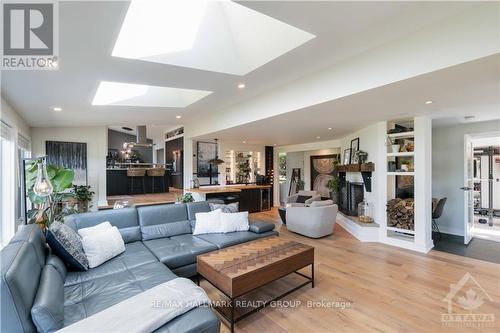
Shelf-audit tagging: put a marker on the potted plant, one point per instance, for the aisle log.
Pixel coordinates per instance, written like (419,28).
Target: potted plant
(83,196)
(334,187)
(185,198)
(406,165)
(54,207)
(394,146)
(334,184)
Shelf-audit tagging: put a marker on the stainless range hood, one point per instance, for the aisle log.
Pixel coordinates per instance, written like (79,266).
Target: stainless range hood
(141,139)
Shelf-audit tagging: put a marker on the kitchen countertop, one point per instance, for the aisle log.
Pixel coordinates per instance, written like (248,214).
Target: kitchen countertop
(227,189)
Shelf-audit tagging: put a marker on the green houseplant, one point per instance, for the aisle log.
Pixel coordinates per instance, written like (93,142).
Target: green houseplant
(83,196)
(185,198)
(334,184)
(54,207)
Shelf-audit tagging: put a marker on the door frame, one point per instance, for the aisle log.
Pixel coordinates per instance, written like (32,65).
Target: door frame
(468,139)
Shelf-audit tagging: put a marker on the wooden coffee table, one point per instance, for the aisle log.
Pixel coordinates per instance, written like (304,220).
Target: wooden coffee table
(240,269)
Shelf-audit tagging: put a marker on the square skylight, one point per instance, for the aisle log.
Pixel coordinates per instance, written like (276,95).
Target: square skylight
(219,36)
(128,94)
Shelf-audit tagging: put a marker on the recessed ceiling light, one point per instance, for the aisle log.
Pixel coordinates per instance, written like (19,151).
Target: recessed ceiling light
(128,94)
(243,142)
(318,137)
(241,86)
(57,109)
(178,117)
(275,145)
(329,128)
(429,102)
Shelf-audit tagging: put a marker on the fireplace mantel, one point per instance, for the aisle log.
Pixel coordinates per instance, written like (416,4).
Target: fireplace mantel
(366,170)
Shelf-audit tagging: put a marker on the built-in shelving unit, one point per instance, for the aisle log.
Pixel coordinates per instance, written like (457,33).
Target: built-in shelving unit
(401,228)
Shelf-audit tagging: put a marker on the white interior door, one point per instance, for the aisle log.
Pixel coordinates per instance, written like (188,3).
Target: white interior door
(468,190)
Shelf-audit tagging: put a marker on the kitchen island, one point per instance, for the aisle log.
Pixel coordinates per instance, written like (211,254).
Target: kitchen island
(251,198)
(118,183)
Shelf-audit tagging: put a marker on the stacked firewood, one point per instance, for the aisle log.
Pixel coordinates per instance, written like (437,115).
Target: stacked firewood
(401,213)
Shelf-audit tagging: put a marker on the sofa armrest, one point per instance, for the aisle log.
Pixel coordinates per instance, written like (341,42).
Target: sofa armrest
(259,227)
(292,198)
(316,197)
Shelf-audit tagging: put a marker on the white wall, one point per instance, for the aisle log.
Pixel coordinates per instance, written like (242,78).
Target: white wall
(97,147)
(448,170)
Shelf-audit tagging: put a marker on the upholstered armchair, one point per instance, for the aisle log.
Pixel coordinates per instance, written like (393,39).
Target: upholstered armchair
(292,200)
(314,221)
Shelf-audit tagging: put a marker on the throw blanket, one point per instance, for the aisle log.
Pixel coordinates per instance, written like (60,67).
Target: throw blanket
(146,311)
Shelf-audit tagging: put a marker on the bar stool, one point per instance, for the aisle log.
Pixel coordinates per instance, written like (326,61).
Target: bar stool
(135,173)
(157,173)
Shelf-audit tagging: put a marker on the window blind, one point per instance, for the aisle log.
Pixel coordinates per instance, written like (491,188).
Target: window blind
(23,142)
(6,131)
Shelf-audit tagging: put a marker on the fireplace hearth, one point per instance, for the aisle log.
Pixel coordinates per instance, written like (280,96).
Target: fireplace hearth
(351,194)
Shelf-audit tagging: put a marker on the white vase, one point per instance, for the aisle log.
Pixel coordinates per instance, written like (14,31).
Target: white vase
(404,167)
(395,148)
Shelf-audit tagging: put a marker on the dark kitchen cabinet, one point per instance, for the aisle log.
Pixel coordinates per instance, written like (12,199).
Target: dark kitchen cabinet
(250,200)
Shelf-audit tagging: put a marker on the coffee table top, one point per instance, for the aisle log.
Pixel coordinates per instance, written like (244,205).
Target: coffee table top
(237,268)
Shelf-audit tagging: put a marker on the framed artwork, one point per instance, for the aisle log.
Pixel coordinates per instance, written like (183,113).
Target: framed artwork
(354,149)
(322,170)
(347,156)
(205,152)
(71,155)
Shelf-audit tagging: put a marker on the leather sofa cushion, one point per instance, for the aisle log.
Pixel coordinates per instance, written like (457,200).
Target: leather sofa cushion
(58,264)
(165,230)
(33,235)
(48,309)
(160,214)
(136,254)
(261,226)
(234,238)
(21,270)
(124,219)
(197,207)
(179,250)
(87,298)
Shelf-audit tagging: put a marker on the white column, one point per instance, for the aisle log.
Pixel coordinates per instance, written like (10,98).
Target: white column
(423,183)
(188,162)
(379,180)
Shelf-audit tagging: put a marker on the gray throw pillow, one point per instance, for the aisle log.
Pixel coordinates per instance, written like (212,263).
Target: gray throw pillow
(67,245)
(230,208)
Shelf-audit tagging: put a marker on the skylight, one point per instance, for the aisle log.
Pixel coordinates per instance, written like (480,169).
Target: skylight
(127,94)
(220,36)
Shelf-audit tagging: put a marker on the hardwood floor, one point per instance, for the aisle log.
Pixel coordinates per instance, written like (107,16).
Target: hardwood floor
(388,289)
(145,199)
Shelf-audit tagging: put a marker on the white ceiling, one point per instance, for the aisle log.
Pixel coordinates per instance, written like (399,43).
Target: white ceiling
(88,31)
(470,89)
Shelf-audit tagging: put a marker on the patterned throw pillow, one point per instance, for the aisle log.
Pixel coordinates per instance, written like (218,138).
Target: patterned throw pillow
(67,245)
(230,208)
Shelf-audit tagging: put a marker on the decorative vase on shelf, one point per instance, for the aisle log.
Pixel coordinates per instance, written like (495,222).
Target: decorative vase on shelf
(365,212)
(405,167)
(395,148)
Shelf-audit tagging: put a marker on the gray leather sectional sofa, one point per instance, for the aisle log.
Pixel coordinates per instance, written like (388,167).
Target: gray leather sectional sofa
(159,247)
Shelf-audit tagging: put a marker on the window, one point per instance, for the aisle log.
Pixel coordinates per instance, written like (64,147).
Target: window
(7,183)
(13,148)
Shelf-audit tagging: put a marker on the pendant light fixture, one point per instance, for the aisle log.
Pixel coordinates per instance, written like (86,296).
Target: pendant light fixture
(216,160)
(43,187)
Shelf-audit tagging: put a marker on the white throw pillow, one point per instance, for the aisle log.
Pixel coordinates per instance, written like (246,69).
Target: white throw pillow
(95,229)
(101,246)
(232,222)
(207,223)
